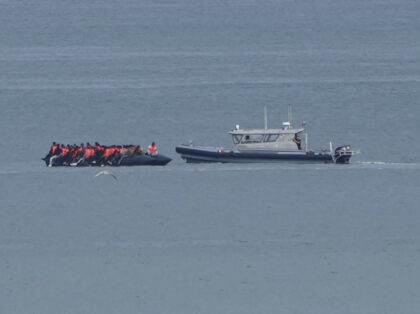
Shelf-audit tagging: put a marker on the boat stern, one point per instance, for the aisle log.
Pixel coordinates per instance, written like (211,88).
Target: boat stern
(342,154)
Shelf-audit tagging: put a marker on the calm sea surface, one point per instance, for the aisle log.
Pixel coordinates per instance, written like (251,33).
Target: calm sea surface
(210,238)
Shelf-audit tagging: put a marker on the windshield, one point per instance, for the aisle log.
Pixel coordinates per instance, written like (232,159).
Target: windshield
(252,138)
(236,138)
(271,137)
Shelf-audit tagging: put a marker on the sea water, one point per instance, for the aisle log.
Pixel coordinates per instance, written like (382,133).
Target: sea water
(210,238)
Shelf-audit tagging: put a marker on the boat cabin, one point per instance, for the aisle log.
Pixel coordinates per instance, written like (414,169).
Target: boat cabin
(285,139)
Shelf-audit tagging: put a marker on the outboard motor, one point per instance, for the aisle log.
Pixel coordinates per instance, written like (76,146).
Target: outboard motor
(343,154)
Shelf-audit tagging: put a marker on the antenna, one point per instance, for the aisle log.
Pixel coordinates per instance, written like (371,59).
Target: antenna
(265,117)
(289,114)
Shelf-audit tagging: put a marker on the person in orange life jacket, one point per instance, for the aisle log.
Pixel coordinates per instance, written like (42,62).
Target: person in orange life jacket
(61,149)
(90,152)
(117,154)
(153,149)
(59,155)
(109,154)
(109,150)
(66,155)
(76,151)
(85,154)
(51,153)
(64,150)
(99,150)
(81,151)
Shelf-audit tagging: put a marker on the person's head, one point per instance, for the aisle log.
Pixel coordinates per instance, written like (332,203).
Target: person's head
(153,144)
(82,145)
(54,143)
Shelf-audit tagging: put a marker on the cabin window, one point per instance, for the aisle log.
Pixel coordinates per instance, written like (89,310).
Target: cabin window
(237,138)
(252,138)
(271,137)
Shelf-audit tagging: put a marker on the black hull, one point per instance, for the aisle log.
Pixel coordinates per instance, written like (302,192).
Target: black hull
(343,154)
(145,160)
(140,160)
(200,154)
(345,159)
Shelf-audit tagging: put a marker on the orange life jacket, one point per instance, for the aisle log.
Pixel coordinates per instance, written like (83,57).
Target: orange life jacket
(64,151)
(89,152)
(54,149)
(99,148)
(152,149)
(76,152)
(108,152)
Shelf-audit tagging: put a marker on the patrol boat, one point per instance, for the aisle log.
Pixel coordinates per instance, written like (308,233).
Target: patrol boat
(266,145)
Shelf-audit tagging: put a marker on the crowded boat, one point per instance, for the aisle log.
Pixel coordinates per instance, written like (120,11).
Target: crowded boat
(100,155)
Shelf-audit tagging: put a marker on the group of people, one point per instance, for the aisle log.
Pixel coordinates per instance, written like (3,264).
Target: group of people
(94,155)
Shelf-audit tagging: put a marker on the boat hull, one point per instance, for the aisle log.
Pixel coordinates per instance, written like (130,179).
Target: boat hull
(139,160)
(193,154)
(145,160)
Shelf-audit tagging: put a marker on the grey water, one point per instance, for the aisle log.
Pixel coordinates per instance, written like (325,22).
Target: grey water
(210,238)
